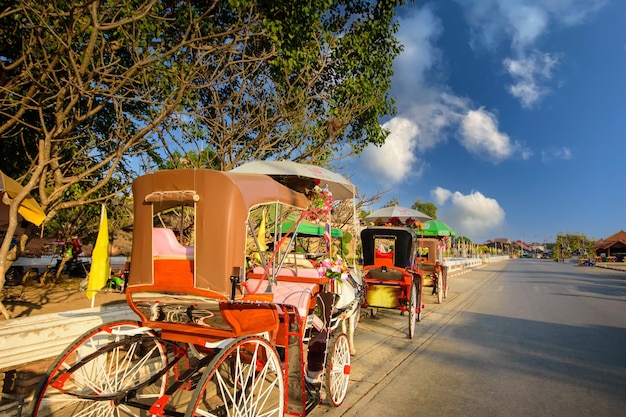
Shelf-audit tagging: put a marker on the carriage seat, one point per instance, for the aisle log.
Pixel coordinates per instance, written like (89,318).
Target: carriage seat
(290,272)
(297,260)
(297,294)
(166,246)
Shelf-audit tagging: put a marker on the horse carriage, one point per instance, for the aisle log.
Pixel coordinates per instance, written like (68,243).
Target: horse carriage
(430,264)
(217,335)
(390,271)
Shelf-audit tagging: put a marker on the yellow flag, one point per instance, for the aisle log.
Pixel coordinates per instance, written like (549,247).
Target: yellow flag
(100,263)
(262,244)
(29,209)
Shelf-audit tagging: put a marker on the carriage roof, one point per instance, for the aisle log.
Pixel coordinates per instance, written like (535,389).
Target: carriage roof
(404,248)
(222,201)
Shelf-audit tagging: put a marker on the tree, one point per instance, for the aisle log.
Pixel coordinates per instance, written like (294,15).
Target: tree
(569,243)
(325,86)
(393,202)
(426,208)
(93,93)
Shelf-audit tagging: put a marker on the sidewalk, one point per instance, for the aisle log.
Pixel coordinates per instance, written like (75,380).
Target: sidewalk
(616,266)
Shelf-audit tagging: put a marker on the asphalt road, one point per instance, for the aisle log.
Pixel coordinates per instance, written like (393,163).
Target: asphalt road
(523,337)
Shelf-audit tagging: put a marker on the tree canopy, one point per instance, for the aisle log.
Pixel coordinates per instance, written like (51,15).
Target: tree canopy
(94,93)
(426,208)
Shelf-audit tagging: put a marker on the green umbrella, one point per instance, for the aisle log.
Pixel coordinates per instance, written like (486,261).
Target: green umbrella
(306,228)
(436,228)
(310,229)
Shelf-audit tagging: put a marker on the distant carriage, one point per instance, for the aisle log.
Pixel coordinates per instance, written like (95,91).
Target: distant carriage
(217,335)
(390,271)
(429,254)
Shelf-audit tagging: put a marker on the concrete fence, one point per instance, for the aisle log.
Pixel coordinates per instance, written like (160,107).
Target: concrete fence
(28,339)
(458,266)
(29,344)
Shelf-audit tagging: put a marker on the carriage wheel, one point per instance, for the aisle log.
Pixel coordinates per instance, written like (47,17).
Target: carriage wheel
(439,288)
(412,309)
(244,379)
(99,369)
(337,369)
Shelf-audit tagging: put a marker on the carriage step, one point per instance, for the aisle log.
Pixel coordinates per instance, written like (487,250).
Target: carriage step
(193,381)
(313,395)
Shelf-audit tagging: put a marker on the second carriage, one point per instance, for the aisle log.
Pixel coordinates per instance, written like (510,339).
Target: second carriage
(390,271)
(215,336)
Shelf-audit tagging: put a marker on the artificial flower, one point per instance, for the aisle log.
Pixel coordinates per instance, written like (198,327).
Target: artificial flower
(320,203)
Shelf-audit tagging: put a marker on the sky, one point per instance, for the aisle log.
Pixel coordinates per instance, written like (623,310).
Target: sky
(511,118)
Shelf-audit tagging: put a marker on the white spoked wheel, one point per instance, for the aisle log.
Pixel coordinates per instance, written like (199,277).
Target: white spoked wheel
(419,289)
(337,369)
(439,288)
(412,306)
(244,379)
(94,375)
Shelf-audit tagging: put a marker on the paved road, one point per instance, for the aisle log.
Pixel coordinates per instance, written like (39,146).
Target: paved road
(517,338)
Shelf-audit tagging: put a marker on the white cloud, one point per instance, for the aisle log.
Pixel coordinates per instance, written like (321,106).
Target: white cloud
(422,116)
(522,23)
(473,215)
(527,24)
(417,33)
(529,75)
(394,160)
(481,137)
(561,153)
(441,195)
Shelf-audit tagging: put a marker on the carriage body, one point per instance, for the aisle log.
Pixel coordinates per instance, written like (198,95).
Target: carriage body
(390,271)
(216,335)
(431,252)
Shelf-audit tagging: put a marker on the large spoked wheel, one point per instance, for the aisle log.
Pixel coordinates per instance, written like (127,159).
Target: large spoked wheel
(439,288)
(101,370)
(244,379)
(412,309)
(337,369)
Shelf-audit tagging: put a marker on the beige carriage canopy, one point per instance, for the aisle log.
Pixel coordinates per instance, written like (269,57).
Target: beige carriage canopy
(222,201)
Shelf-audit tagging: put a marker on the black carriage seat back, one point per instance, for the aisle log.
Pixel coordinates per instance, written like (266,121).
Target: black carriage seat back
(404,244)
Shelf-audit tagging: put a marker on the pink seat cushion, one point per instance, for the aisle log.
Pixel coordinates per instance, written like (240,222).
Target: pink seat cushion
(164,244)
(297,294)
(289,272)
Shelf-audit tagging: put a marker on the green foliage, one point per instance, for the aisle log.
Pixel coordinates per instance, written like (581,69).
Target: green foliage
(319,80)
(93,94)
(345,243)
(393,202)
(426,208)
(569,243)
(463,239)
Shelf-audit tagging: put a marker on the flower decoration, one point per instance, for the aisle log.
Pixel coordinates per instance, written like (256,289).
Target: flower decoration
(395,221)
(320,203)
(333,269)
(413,223)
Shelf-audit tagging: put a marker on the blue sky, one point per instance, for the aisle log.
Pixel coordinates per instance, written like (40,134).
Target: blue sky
(511,118)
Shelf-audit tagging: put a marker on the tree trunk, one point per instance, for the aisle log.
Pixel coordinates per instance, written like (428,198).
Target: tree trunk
(7,256)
